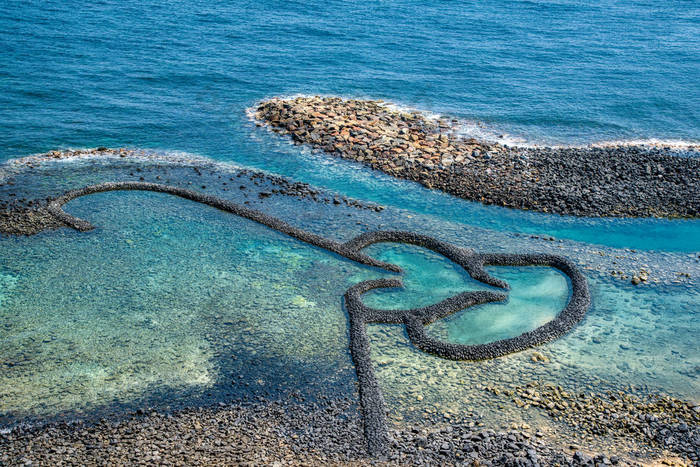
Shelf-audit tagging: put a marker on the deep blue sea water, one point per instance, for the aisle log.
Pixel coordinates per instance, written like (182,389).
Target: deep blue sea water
(179,76)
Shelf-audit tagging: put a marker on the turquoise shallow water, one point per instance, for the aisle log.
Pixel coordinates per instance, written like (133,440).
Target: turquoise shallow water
(170,303)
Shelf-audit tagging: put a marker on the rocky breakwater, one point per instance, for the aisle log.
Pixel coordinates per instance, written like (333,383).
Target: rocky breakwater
(616,181)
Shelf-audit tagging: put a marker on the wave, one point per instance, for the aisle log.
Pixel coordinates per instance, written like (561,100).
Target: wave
(70,155)
(16,166)
(667,144)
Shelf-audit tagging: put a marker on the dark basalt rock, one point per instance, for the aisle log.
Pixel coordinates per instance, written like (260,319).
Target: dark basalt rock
(27,221)
(617,181)
(416,319)
(285,432)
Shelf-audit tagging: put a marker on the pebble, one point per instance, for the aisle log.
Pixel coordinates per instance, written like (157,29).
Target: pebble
(264,432)
(656,420)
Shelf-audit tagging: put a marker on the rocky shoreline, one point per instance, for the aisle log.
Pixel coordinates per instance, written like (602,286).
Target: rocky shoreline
(610,181)
(284,432)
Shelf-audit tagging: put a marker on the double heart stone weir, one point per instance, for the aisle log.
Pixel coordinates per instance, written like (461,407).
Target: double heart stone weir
(415,319)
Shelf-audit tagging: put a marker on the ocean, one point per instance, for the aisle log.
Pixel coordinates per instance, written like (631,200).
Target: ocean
(150,308)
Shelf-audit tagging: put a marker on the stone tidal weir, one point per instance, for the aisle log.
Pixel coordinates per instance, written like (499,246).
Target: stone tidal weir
(656,422)
(415,320)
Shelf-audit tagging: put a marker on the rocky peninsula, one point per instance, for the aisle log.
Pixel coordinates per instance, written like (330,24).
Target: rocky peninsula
(606,181)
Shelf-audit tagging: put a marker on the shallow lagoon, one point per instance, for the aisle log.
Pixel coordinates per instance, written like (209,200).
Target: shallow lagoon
(170,303)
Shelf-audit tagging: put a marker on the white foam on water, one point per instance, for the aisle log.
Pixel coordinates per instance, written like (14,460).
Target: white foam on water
(73,155)
(483,132)
(669,144)
(79,156)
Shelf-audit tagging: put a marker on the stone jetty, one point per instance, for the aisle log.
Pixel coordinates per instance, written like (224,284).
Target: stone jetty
(614,181)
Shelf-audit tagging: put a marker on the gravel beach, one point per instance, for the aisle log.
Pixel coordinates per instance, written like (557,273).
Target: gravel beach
(285,432)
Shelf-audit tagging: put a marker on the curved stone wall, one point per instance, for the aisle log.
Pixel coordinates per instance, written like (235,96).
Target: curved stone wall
(415,320)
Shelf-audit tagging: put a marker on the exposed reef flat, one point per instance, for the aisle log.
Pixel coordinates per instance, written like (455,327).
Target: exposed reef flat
(25,214)
(605,181)
(465,441)
(27,185)
(371,399)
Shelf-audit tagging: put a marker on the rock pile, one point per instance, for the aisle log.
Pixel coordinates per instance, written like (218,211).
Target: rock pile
(280,432)
(658,420)
(27,221)
(617,181)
